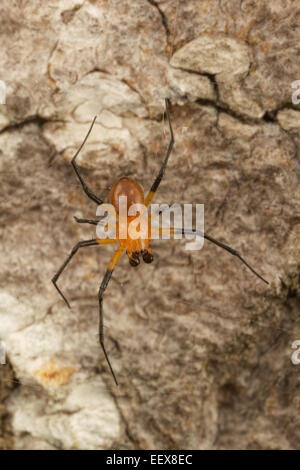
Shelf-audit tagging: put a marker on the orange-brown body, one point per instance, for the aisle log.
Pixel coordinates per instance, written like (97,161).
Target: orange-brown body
(135,195)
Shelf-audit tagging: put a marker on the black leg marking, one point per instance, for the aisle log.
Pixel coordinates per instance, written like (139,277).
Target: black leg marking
(92,242)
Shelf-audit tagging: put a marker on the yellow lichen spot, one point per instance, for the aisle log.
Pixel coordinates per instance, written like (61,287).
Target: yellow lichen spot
(90,275)
(54,374)
(154,147)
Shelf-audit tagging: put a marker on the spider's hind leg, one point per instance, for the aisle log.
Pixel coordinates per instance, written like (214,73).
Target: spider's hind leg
(102,288)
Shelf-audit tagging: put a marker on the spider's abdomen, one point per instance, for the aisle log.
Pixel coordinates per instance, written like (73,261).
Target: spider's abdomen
(129,188)
(135,195)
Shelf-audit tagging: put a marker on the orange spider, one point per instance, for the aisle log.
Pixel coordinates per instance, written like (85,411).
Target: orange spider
(134,247)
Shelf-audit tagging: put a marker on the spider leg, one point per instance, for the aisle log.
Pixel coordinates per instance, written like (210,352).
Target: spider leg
(216,242)
(164,165)
(233,252)
(93,222)
(92,242)
(103,286)
(86,221)
(87,191)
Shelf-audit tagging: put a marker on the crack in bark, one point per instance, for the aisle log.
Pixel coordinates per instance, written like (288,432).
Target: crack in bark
(36,119)
(163,20)
(221,106)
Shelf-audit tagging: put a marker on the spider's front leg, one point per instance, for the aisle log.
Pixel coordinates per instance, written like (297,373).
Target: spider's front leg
(85,188)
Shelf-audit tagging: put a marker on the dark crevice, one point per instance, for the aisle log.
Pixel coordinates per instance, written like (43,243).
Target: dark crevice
(288,105)
(127,83)
(99,70)
(221,106)
(270,116)
(38,120)
(163,19)
(218,104)
(224,108)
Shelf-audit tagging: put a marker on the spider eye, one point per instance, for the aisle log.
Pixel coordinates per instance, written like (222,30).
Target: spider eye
(147,257)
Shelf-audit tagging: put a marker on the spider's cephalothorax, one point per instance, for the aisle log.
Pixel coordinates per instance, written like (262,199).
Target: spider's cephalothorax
(135,247)
(135,195)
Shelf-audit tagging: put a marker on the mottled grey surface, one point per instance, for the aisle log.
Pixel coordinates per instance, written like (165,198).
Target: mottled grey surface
(200,346)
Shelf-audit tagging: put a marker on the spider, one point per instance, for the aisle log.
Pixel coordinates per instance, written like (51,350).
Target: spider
(135,248)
